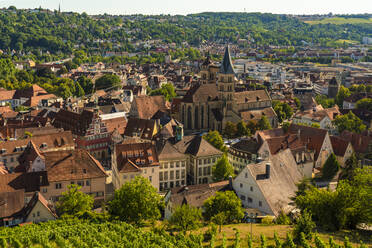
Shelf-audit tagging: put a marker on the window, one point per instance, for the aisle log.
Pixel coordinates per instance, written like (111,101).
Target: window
(166,175)
(183,182)
(260,203)
(209,170)
(177,174)
(200,171)
(177,183)
(177,164)
(144,171)
(166,166)
(183,172)
(45,190)
(12,159)
(87,183)
(171,165)
(183,163)
(38,213)
(124,177)
(85,171)
(250,200)
(209,160)
(80,183)
(241,185)
(246,175)
(213,160)
(165,185)
(242,197)
(150,178)
(171,184)
(72,182)
(161,176)
(205,161)
(205,171)
(251,188)
(161,166)
(171,175)
(152,170)
(58,186)
(200,161)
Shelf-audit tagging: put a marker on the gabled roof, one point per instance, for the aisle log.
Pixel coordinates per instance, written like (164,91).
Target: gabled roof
(29,182)
(170,152)
(128,167)
(11,203)
(72,165)
(147,106)
(28,156)
(196,146)
(37,197)
(360,142)
(201,93)
(281,185)
(142,128)
(227,65)
(251,96)
(339,145)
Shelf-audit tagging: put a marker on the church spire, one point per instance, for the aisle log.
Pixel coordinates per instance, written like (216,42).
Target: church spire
(227,66)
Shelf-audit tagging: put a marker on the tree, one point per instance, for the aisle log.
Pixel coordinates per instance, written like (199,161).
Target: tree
(136,201)
(242,129)
(341,95)
(186,218)
(166,90)
(74,202)
(263,123)
(330,167)
(222,170)
(297,102)
(351,165)
(345,207)
(219,219)
(230,130)
(215,139)
(224,202)
(304,224)
(324,101)
(349,122)
(365,104)
(107,81)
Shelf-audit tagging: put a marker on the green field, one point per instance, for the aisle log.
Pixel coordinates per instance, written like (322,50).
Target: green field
(341,20)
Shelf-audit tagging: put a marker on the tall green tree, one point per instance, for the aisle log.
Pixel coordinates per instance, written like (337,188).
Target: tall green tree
(242,129)
(136,201)
(107,81)
(331,167)
(222,170)
(224,202)
(74,202)
(349,122)
(230,130)
(214,138)
(263,123)
(341,95)
(186,218)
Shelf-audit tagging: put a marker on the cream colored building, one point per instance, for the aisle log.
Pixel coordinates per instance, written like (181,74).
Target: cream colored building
(134,159)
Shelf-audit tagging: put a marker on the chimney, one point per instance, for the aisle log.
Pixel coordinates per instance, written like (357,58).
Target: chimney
(267,171)
(230,182)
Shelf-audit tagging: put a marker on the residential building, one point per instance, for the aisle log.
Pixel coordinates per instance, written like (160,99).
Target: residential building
(342,149)
(242,153)
(268,185)
(135,159)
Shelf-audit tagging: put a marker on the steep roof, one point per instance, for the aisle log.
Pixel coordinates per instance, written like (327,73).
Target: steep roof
(147,106)
(31,153)
(281,185)
(339,145)
(72,165)
(37,197)
(197,146)
(143,128)
(29,182)
(251,96)
(170,152)
(227,65)
(360,142)
(11,203)
(201,93)
(257,114)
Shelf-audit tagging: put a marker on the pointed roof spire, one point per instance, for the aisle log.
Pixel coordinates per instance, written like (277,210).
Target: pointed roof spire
(227,66)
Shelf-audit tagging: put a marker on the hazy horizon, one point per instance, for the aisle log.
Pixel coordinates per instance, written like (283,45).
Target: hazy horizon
(183,7)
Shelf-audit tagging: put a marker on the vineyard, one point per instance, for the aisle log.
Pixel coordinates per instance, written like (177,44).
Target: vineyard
(79,234)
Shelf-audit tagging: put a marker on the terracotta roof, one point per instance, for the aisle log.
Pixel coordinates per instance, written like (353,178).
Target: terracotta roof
(140,154)
(339,145)
(11,203)
(246,145)
(257,114)
(6,94)
(280,143)
(72,165)
(195,195)
(147,106)
(77,123)
(360,142)
(251,96)
(61,140)
(31,153)
(29,182)
(129,167)
(142,128)
(197,146)
(118,124)
(34,100)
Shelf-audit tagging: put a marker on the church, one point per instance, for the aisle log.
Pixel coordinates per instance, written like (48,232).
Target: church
(213,101)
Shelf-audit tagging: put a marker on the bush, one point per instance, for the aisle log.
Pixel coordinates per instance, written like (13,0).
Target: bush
(304,224)
(283,219)
(268,220)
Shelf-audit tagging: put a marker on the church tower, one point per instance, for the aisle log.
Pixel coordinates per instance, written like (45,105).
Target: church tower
(208,71)
(226,81)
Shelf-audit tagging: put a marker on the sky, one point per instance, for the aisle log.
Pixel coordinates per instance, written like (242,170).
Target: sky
(196,6)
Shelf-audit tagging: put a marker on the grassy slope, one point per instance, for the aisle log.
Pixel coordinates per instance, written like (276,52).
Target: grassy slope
(281,230)
(340,20)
